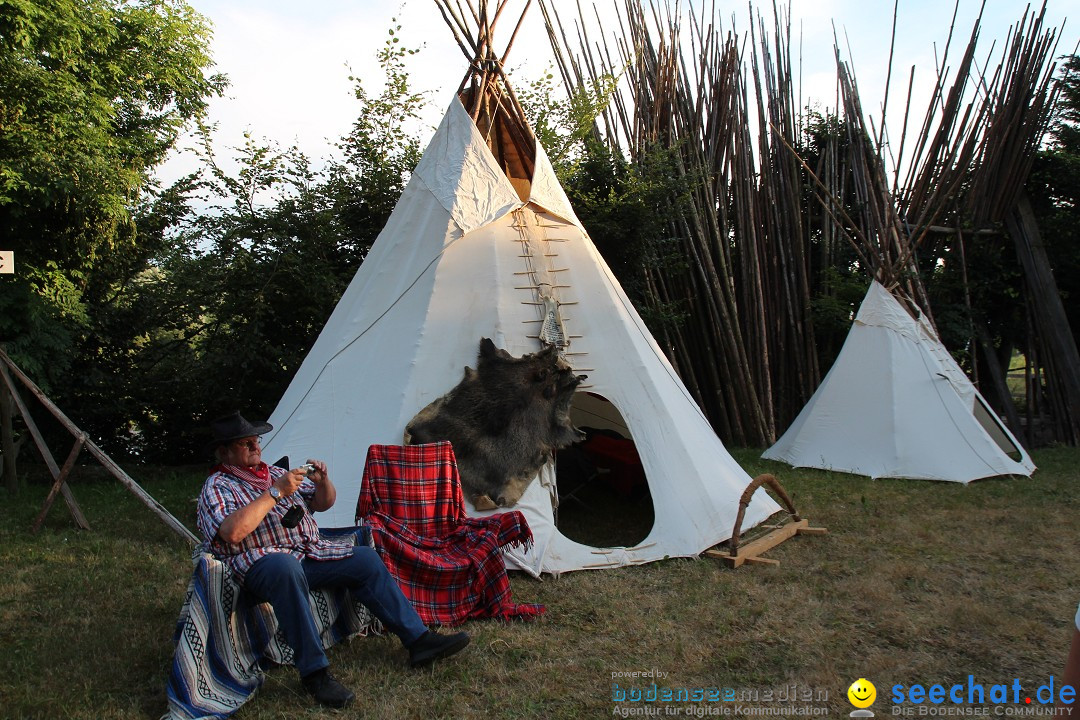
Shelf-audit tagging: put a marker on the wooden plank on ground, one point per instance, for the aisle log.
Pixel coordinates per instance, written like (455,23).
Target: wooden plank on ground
(752,552)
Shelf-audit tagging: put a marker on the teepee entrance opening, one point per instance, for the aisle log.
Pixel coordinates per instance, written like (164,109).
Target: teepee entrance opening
(993,426)
(604,497)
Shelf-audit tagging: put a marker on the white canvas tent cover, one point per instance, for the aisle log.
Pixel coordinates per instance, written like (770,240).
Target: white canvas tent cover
(896,404)
(459,259)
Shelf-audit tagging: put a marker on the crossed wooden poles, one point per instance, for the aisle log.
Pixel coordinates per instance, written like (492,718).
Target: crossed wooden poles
(61,474)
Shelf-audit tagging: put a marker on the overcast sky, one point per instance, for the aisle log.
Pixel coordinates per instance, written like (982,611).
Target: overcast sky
(289,62)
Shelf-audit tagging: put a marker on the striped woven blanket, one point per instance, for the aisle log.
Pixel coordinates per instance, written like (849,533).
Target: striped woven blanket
(225,640)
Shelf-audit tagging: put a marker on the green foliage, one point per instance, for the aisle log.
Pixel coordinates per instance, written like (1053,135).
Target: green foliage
(978,286)
(222,318)
(379,151)
(837,296)
(565,128)
(42,313)
(1066,124)
(627,208)
(838,279)
(245,262)
(625,205)
(93,93)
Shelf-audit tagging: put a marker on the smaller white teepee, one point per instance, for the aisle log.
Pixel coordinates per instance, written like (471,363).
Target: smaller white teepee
(896,404)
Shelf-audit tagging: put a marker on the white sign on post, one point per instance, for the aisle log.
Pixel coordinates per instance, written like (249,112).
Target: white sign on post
(7,262)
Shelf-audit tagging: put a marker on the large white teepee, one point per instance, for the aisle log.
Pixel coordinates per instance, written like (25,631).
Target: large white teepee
(896,404)
(468,253)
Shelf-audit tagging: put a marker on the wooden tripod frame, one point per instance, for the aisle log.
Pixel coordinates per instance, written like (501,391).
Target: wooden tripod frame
(61,474)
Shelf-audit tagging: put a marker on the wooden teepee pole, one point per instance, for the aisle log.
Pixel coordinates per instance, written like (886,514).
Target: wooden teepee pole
(7,441)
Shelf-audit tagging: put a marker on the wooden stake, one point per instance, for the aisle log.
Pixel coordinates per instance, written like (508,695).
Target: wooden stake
(7,441)
(46,455)
(60,481)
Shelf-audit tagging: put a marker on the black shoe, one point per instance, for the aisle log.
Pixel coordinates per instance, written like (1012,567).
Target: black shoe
(432,646)
(326,689)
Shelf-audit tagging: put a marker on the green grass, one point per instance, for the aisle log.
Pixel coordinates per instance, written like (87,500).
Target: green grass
(1016,380)
(915,582)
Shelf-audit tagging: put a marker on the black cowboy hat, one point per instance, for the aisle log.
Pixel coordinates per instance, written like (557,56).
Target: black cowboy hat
(233,427)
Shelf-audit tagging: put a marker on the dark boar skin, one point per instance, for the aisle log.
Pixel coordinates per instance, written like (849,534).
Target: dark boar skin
(505,419)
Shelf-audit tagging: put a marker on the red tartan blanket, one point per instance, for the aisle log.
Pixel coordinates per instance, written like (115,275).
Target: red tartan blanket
(450,566)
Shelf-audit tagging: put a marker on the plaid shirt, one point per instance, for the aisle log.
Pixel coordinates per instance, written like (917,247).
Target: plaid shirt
(223,493)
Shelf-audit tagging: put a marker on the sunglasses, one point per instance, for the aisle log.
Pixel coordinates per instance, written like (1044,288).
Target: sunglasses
(251,444)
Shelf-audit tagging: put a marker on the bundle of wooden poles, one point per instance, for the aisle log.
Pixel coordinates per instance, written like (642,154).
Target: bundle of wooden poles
(763,223)
(485,92)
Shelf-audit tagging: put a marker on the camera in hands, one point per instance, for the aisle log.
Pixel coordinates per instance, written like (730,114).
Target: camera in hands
(296,513)
(292,518)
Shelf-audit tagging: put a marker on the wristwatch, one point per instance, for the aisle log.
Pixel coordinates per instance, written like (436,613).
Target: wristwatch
(275,493)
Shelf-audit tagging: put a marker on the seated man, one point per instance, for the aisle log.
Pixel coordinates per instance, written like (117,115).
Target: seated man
(241,507)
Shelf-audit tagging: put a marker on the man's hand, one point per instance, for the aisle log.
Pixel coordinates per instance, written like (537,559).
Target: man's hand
(289,483)
(325,492)
(243,521)
(318,473)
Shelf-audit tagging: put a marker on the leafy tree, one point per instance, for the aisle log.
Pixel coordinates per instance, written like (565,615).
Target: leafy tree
(252,257)
(379,151)
(838,280)
(566,128)
(93,93)
(626,207)
(238,293)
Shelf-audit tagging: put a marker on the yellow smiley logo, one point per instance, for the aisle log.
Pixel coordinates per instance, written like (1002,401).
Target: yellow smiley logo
(862,693)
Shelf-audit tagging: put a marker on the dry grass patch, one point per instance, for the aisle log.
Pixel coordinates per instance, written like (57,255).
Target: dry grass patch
(915,582)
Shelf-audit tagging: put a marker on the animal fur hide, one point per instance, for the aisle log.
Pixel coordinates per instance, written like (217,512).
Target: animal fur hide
(505,419)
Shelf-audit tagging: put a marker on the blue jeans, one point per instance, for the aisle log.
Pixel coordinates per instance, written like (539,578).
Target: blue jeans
(283,581)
